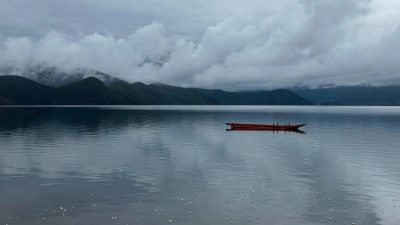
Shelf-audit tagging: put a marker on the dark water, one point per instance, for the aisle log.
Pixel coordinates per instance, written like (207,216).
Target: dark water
(178,165)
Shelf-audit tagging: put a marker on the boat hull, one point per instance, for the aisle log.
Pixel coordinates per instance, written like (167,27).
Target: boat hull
(276,127)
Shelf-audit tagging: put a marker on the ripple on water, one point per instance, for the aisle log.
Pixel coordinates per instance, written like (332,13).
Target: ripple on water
(134,165)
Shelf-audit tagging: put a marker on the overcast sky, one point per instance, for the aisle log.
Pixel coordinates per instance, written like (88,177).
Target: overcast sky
(230,44)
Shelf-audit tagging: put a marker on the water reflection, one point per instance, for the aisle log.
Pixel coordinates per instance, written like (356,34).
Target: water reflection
(272,131)
(111,165)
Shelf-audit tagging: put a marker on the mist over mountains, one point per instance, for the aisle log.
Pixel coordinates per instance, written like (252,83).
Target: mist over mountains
(55,76)
(44,85)
(52,86)
(219,44)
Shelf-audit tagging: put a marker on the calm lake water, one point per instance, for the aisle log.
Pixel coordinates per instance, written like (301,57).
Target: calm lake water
(178,165)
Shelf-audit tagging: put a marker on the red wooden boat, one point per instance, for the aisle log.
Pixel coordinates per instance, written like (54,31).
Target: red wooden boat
(244,126)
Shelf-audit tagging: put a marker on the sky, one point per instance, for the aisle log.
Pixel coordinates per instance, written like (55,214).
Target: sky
(228,44)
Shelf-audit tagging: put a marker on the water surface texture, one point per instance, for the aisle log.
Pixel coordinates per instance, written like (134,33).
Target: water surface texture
(178,165)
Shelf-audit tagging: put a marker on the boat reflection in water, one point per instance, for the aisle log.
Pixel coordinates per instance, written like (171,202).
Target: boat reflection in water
(265,127)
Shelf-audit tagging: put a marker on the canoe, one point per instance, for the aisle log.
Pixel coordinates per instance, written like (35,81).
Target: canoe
(244,126)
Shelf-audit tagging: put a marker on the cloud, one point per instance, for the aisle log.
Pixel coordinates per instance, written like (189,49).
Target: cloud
(242,46)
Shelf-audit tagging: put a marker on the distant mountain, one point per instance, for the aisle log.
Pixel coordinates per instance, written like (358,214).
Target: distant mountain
(275,97)
(88,91)
(22,91)
(355,95)
(16,90)
(54,76)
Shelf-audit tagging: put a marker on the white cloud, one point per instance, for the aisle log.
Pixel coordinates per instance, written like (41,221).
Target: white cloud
(240,45)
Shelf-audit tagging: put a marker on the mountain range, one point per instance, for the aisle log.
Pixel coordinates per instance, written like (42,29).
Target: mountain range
(42,85)
(17,90)
(353,95)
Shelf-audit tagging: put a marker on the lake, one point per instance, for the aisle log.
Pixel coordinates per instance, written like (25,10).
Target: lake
(153,165)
